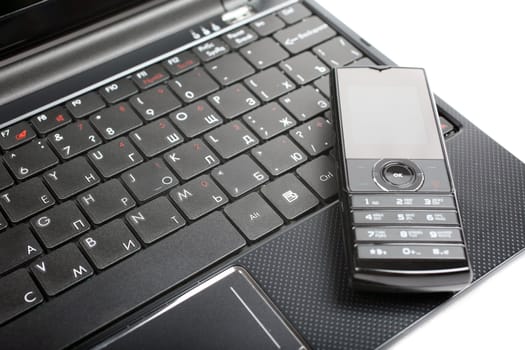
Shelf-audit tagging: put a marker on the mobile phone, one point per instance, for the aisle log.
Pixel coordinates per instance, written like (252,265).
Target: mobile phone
(401,221)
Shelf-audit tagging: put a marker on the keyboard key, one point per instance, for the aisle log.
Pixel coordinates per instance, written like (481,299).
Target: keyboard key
(364,61)
(3,223)
(176,258)
(269,120)
(25,199)
(319,174)
(156,137)
(51,120)
(323,84)
(191,158)
(195,118)
(211,50)
(253,216)
(294,13)
(264,53)
(198,197)
(337,52)
(150,76)
(269,84)
(181,63)
(305,34)
(19,294)
(5,179)
(114,157)
(315,136)
(279,155)
(193,85)
(445,125)
(109,244)
(233,101)
(267,25)
(61,269)
(115,121)
(59,224)
(231,139)
(229,68)
(239,175)
(155,102)
(149,179)
(105,201)
(30,159)
(118,90)
(305,103)
(155,220)
(71,178)
(304,68)
(17,246)
(74,139)
(239,37)
(15,135)
(289,196)
(85,105)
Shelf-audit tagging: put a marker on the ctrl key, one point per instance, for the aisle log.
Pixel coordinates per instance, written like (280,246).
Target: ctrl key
(19,294)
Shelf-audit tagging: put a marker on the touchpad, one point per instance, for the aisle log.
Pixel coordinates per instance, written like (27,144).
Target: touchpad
(228,311)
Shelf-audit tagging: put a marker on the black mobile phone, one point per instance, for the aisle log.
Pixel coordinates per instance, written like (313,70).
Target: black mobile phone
(401,221)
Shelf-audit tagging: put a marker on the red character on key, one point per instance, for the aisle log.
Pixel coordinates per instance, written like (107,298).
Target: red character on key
(21,135)
(59,118)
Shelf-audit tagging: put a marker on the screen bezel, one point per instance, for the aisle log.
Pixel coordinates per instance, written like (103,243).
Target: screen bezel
(389,76)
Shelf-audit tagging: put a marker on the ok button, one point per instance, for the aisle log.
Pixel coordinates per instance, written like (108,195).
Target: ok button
(398,174)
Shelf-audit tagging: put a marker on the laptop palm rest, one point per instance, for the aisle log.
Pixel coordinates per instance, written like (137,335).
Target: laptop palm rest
(228,311)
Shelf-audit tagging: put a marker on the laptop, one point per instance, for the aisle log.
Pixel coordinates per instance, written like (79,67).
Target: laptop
(167,180)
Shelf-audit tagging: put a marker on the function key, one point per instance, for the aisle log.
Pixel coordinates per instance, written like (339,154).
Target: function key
(150,76)
(240,37)
(181,63)
(403,201)
(51,120)
(305,34)
(118,90)
(19,294)
(85,105)
(16,135)
(337,52)
(267,25)
(415,217)
(211,50)
(289,196)
(294,13)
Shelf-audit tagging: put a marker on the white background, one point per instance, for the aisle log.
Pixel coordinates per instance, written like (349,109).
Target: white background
(474,54)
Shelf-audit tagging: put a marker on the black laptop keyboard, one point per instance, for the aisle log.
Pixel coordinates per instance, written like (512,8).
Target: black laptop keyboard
(238,126)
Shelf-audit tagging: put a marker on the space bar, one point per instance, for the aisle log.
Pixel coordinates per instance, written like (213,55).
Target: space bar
(105,297)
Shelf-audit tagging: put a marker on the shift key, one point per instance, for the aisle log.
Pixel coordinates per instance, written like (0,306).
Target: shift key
(304,35)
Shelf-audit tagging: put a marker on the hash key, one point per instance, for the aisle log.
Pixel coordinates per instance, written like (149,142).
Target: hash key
(30,159)
(279,155)
(155,219)
(304,103)
(155,102)
(51,120)
(233,101)
(105,201)
(85,105)
(25,199)
(198,197)
(289,196)
(16,135)
(109,243)
(61,269)
(71,178)
(149,179)
(193,85)
(115,120)
(114,157)
(74,139)
(253,216)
